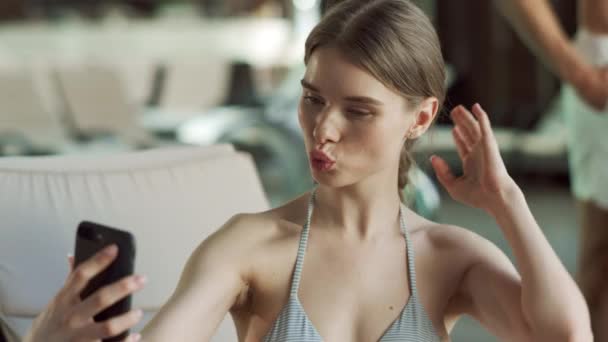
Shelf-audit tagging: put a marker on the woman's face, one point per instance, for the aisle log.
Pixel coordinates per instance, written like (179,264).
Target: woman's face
(358,124)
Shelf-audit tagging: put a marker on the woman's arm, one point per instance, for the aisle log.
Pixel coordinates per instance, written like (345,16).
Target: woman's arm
(544,304)
(537,25)
(551,300)
(540,303)
(211,282)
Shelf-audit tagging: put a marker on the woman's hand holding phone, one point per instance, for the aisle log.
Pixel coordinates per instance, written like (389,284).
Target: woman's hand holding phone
(68,318)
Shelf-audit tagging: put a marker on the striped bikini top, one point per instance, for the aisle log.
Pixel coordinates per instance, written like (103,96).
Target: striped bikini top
(293,325)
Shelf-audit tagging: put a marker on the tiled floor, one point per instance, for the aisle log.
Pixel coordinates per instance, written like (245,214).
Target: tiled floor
(554,209)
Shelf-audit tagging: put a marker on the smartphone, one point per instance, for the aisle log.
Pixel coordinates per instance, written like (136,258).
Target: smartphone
(91,238)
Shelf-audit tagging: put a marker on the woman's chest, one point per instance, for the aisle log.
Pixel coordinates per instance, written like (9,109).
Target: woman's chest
(352,295)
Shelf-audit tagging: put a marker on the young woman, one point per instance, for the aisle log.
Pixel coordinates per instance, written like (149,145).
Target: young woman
(348,261)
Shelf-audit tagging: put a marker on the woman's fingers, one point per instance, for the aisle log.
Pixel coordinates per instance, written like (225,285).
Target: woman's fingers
(109,295)
(80,277)
(490,145)
(467,123)
(484,121)
(113,326)
(462,146)
(442,170)
(71,262)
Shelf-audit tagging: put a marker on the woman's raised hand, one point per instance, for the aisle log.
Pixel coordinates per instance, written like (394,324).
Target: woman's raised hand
(485,179)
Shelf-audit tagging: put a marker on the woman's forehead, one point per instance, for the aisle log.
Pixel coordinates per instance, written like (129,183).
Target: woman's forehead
(331,72)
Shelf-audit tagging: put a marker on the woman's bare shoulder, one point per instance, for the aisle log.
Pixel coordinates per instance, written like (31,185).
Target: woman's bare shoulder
(448,239)
(251,230)
(243,243)
(447,252)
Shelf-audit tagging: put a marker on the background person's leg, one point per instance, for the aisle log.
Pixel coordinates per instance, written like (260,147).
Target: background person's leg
(592,273)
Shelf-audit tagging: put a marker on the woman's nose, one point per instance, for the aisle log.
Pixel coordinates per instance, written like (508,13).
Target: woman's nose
(326,129)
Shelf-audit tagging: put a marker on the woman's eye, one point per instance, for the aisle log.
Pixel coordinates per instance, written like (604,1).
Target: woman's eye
(313,100)
(358,113)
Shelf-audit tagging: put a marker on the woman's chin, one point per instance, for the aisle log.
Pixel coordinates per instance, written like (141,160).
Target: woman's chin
(328,178)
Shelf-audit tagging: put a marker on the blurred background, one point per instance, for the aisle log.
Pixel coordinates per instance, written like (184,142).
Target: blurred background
(84,76)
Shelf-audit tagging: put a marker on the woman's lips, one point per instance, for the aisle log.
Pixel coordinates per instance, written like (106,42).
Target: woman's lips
(321,161)
(320,155)
(321,165)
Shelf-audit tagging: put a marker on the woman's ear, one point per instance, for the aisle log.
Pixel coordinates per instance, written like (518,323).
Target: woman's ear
(425,114)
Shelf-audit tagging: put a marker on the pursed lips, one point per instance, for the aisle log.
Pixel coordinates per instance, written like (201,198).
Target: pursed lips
(321,156)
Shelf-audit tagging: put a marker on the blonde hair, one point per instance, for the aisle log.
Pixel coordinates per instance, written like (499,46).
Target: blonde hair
(396,43)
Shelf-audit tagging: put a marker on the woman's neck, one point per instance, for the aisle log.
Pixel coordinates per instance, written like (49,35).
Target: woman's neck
(357,211)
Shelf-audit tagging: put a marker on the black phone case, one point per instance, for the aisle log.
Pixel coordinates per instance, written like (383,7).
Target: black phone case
(90,239)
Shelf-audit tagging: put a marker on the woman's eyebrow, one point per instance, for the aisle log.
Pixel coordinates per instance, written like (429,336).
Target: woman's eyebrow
(364,99)
(360,99)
